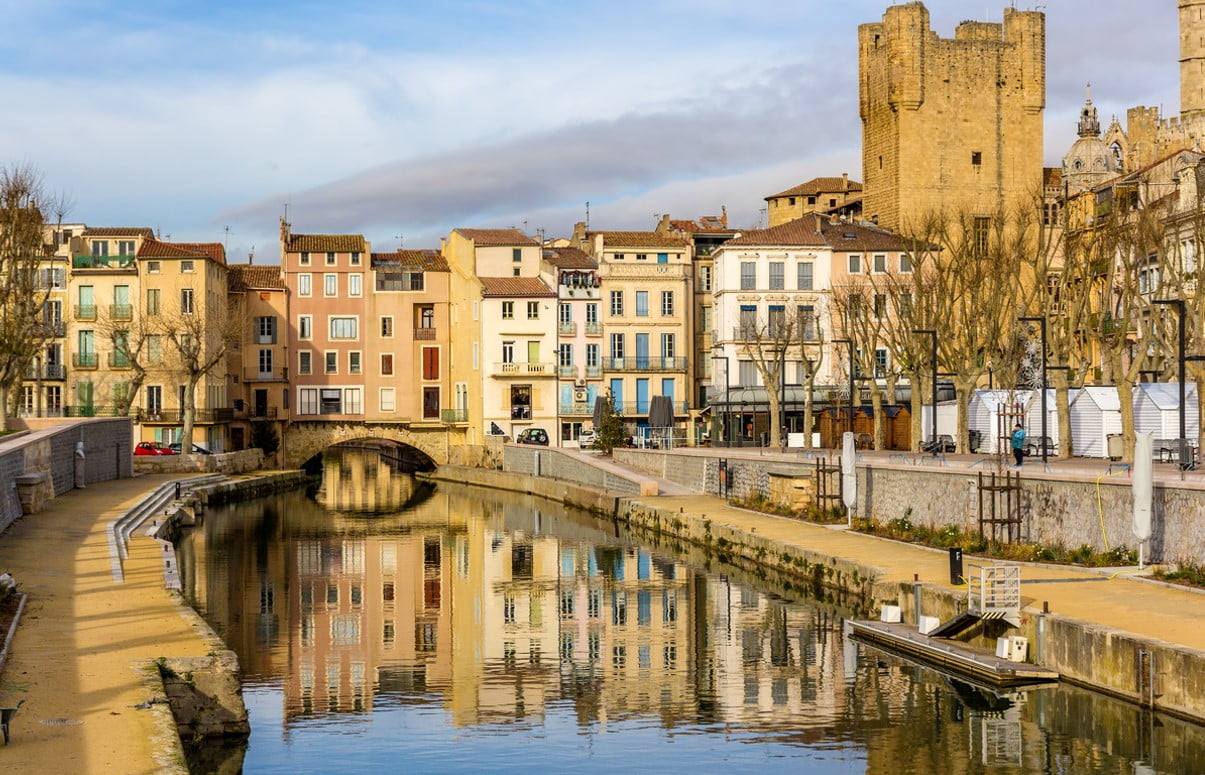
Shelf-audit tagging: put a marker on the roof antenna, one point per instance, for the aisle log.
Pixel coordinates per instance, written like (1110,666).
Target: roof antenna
(226,242)
(251,255)
(400,241)
(587,214)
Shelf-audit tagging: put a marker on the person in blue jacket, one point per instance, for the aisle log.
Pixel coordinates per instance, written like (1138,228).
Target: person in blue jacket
(1018,443)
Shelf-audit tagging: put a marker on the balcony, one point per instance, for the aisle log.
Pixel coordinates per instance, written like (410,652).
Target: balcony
(506,369)
(593,329)
(91,411)
(53,328)
(84,360)
(575,410)
(594,372)
(424,334)
(453,416)
(636,408)
(48,371)
(261,412)
(121,312)
(85,312)
(566,372)
(102,262)
(664,271)
(520,412)
(119,360)
(176,416)
(644,363)
(567,328)
(272,375)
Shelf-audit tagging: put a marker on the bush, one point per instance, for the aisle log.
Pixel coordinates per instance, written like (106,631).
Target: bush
(264,436)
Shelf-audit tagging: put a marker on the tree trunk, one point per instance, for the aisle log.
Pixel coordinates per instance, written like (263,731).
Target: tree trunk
(963,386)
(1125,396)
(1062,405)
(808,419)
(880,431)
(3,408)
(918,403)
(190,413)
(775,403)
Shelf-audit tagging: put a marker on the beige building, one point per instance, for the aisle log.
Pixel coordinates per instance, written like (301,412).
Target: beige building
(42,392)
(259,366)
(840,196)
(950,123)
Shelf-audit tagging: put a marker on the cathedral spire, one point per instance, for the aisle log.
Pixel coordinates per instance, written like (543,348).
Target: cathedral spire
(1089,124)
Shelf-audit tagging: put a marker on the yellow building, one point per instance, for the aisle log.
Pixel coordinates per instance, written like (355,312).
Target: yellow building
(839,196)
(950,123)
(259,365)
(42,391)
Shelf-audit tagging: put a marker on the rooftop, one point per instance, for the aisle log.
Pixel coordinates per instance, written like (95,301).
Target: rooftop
(530,287)
(492,238)
(153,248)
(245,277)
(639,239)
(569,258)
(120,231)
(820,186)
(325,243)
(429,259)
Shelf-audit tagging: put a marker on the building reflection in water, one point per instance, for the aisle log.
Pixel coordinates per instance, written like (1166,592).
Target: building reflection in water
(497,612)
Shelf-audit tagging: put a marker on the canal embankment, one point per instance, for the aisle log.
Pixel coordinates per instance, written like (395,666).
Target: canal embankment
(1131,638)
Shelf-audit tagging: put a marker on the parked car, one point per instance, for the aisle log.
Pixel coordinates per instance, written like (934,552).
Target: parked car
(587,438)
(533,436)
(197,449)
(153,448)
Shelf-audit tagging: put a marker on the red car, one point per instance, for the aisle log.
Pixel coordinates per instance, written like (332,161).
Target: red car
(153,448)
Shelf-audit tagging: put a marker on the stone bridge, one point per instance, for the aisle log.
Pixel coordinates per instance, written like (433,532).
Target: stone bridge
(303,440)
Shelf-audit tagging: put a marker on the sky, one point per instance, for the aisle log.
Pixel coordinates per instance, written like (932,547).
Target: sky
(404,120)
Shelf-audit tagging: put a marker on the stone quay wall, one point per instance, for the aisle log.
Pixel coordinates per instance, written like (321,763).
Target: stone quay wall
(43,462)
(1057,511)
(240,462)
(547,462)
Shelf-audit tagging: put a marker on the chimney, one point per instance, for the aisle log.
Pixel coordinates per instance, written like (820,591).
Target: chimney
(724,216)
(443,244)
(832,219)
(844,181)
(875,219)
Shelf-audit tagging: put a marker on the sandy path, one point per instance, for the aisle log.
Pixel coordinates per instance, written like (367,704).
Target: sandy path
(80,633)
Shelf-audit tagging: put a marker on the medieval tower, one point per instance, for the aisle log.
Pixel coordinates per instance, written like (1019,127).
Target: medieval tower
(1192,57)
(951,123)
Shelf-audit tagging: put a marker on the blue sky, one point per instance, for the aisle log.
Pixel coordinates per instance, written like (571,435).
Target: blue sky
(410,119)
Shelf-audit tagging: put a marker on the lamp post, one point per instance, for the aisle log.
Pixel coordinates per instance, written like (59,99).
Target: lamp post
(932,333)
(1179,305)
(1041,321)
(850,344)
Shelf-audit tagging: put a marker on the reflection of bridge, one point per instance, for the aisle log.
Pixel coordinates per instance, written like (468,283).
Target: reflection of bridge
(303,440)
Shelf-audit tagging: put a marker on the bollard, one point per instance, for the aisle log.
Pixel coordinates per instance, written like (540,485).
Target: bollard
(177,491)
(955,565)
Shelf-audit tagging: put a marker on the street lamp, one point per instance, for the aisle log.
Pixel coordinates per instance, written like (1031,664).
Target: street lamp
(932,333)
(850,344)
(1179,305)
(1041,321)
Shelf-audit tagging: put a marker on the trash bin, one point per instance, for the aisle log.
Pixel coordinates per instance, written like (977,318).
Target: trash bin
(1116,446)
(974,438)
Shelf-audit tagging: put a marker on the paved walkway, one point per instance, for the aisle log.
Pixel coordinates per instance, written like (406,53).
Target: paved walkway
(80,633)
(1160,611)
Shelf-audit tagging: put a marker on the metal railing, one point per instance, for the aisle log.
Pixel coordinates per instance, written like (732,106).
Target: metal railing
(119,361)
(273,375)
(121,311)
(424,334)
(645,363)
(176,416)
(48,371)
(575,409)
(594,372)
(566,372)
(594,329)
(994,591)
(454,415)
(630,408)
(89,410)
(84,360)
(102,262)
(261,412)
(85,312)
(567,328)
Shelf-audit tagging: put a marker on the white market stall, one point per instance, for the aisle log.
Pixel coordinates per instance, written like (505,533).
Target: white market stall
(947,419)
(1157,409)
(1095,415)
(988,407)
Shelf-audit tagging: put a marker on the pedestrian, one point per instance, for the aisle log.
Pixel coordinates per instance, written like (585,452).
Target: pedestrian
(1018,443)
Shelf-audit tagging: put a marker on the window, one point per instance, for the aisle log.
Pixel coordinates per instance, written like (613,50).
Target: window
(386,364)
(330,400)
(387,326)
(353,362)
(388,400)
(805,275)
(125,248)
(668,349)
(352,404)
(642,257)
(154,399)
(508,352)
(880,305)
(592,312)
(355,258)
(617,256)
(748,275)
(305,327)
(305,258)
(976,158)
(304,286)
(430,363)
(748,321)
(516,254)
(980,231)
(533,310)
(667,304)
(305,362)
(344,328)
(855,263)
(616,303)
(330,284)
(592,356)
(746,373)
(807,321)
(186,267)
(776,318)
(518,272)
(705,278)
(355,285)
(265,361)
(642,304)
(430,403)
(154,348)
(777,283)
(186,301)
(508,310)
(904,303)
(564,313)
(153,267)
(332,362)
(617,346)
(854,306)
(152,301)
(426,317)
(476,355)
(880,362)
(880,263)
(791,201)
(330,258)
(565,355)
(905,263)
(307,401)
(265,329)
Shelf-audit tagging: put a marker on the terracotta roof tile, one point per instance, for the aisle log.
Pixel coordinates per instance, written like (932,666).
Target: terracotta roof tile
(569,258)
(153,248)
(324,243)
(119,231)
(244,277)
(485,238)
(845,235)
(428,259)
(800,232)
(530,287)
(820,186)
(639,239)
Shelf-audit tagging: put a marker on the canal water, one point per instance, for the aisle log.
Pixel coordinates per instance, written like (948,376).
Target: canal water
(384,626)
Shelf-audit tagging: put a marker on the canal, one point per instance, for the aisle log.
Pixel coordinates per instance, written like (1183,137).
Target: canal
(384,625)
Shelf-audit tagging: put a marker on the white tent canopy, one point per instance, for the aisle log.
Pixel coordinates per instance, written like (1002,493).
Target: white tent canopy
(1157,409)
(1095,415)
(988,406)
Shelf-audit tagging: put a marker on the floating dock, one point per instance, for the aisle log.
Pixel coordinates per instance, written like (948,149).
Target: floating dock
(948,655)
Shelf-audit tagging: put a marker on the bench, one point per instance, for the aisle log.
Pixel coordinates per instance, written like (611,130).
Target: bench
(1034,448)
(6,715)
(1168,451)
(944,443)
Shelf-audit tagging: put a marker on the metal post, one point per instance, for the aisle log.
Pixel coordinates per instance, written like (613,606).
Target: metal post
(1041,321)
(932,333)
(850,344)
(1181,442)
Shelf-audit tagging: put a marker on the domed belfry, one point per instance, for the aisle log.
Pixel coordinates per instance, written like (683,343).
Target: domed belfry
(1089,161)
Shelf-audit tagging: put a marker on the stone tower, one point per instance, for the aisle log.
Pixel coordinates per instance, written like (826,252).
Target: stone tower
(1090,160)
(950,123)
(1192,57)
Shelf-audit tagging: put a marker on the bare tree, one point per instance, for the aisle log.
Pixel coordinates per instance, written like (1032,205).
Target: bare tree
(24,208)
(136,345)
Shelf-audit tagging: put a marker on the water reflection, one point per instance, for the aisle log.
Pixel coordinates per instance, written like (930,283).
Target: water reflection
(462,629)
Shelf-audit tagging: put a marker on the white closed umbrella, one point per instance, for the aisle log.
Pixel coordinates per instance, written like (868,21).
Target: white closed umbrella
(849,474)
(1142,473)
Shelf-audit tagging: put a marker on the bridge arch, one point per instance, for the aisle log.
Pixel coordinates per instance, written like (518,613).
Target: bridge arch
(305,440)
